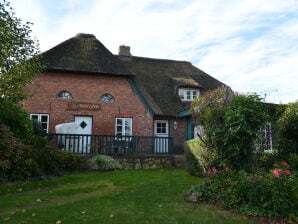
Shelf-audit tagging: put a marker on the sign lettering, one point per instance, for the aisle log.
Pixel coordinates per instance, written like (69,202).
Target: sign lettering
(83,106)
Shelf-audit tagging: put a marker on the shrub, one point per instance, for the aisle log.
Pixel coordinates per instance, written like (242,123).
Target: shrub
(71,162)
(272,195)
(293,161)
(104,163)
(51,160)
(16,118)
(198,157)
(287,138)
(231,125)
(32,158)
(243,117)
(15,158)
(266,160)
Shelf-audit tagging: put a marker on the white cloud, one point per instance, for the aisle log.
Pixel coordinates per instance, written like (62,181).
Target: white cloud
(251,44)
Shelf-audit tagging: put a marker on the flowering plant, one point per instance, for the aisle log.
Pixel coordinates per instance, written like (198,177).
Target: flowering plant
(282,170)
(272,194)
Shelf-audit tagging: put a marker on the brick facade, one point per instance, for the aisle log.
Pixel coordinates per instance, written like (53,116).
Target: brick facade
(178,134)
(88,88)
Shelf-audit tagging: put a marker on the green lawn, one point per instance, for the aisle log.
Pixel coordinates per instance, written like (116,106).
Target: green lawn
(134,196)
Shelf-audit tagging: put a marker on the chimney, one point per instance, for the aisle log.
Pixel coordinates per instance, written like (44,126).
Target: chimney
(124,51)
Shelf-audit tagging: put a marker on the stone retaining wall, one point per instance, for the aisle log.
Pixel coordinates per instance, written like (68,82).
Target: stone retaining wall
(146,162)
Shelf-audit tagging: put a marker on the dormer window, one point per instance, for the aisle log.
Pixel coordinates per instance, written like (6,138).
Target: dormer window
(188,94)
(64,95)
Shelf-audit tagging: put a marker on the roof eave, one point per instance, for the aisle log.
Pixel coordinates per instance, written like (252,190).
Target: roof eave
(87,72)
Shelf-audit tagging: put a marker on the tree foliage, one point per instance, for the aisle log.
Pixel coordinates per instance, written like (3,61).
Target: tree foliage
(243,118)
(18,55)
(231,124)
(16,118)
(288,130)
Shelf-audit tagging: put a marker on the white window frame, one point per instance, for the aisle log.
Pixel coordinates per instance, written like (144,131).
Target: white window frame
(39,120)
(123,128)
(188,94)
(163,129)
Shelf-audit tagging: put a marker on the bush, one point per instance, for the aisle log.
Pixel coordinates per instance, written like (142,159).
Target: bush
(104,163)
(266,160)
(231,124)
(16,160)
(293,161)
(198,158)
(288,130)
(271,195)
(32,158)
(16,118)
(51,160)
(243,118)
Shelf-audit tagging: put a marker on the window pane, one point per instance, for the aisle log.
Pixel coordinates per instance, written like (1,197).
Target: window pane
(107,98)
(119,121)
(119,129)
(188,95)
(44,118)
(64,95)
(34,117)
(127,130)
(44,126)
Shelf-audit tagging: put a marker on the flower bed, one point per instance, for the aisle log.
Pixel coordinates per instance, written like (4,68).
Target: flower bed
(273,194)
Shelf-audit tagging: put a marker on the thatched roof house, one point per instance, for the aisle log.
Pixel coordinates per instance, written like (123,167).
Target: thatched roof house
(158,79)
(115,94)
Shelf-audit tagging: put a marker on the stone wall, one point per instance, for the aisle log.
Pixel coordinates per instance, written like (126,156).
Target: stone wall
(146,162)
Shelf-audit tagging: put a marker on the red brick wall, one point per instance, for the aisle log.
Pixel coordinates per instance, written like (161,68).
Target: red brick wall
(178,134)
(88,88)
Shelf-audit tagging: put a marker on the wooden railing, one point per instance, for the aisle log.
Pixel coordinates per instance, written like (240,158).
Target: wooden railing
(112,144)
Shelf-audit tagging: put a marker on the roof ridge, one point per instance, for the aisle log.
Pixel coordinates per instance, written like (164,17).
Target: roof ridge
(81,53)
(155,59)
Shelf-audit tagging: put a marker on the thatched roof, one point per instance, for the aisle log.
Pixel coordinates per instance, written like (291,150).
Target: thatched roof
(160,78)
(83,53)
(157,79)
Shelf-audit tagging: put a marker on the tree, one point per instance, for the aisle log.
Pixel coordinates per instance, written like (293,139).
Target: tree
(18,55)
(231,124)
(243,118)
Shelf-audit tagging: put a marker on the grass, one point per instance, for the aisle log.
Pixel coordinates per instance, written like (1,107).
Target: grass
(134,196)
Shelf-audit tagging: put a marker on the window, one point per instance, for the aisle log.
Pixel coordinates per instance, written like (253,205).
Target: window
(161,127)
(64,95)
(188,95)
(264,141)
(123,126)
(107,98)
(42,119)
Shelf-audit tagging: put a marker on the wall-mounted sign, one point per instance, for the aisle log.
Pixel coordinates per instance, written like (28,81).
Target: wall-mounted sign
(83,106)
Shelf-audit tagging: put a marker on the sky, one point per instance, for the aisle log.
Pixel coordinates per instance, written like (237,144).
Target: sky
(250,45)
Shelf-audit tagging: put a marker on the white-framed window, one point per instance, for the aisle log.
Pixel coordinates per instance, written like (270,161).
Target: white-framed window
(64,95)
(123,126)
(42,119)
(161,127)
(264,142)
(187,94)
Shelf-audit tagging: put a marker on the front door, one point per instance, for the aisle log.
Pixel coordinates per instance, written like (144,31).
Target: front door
(85,124)
(161,131)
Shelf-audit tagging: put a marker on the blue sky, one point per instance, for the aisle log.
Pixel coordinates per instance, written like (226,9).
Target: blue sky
(251,45)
